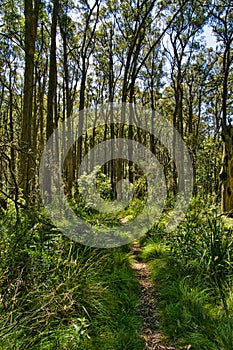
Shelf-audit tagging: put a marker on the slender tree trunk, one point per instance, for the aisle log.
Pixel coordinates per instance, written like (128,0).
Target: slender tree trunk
(52,90)
(227,137)
(13,167)
(27,167)
(227,171)
(67,102)
(81,112)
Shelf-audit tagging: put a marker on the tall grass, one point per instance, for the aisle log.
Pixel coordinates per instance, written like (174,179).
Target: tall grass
(192,269)
(57,294)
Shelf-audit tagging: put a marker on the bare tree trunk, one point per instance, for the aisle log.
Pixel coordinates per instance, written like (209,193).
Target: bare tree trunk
(226,174)
(67,103)
(227,171)
(227,137)
(86,51)
(27,167)
(52,91)
(222,21)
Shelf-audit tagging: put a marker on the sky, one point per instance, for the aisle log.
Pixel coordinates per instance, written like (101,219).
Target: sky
(210,38)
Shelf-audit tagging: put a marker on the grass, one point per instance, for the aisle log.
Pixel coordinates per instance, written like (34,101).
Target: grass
(192,272)
(57,294)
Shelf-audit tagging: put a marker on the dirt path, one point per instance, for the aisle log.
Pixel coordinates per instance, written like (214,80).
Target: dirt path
(148,311)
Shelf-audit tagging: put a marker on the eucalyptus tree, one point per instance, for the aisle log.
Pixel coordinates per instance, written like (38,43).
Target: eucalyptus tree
(42,57)
(27,156)
(222,24)
(90,18)
(11,60)
(183,36)
(200,119)
(52,83)
(107,65)
(68,62)
(135,19)
(183,43)
(51,120)
(69,76)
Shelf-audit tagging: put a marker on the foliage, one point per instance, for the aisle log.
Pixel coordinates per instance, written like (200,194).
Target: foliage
(107,213)
(60,57)
(193,269)
(56,294)
(208,164)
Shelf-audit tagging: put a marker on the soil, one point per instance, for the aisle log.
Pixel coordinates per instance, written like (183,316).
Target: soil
(148,310)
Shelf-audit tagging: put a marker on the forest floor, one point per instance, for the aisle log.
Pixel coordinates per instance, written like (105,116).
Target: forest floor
(148,310)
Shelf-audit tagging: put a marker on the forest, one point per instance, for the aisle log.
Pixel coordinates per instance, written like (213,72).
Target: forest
(116,174)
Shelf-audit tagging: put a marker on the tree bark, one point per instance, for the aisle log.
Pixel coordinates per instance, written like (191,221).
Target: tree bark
(52,90)
(27,167)
(226,174)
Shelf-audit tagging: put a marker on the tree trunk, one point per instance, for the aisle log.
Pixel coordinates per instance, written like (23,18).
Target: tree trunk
(52,90)
(226,174)
(27,171)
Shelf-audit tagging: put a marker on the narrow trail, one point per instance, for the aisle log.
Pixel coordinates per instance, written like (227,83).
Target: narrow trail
(148,311)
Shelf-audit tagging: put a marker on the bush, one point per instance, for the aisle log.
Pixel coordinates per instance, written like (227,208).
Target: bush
(57,294)
(192,269)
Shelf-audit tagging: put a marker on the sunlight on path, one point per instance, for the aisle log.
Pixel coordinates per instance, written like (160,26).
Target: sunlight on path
(148,311)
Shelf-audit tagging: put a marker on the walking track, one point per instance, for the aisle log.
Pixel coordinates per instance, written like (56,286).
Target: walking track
(148,311)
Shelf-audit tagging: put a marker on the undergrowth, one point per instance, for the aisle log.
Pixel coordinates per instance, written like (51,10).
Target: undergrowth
(192,269)
(57,294)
